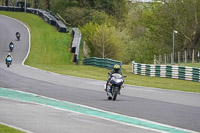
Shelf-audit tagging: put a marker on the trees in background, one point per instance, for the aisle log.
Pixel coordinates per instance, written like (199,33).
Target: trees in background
(151,27)
(80,12)
(103,40)
(180,15)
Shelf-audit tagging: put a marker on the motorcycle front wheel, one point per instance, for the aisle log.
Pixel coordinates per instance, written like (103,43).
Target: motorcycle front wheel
(109,98)
(115,92)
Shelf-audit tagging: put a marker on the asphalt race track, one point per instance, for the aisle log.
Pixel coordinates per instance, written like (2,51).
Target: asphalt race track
(174,108)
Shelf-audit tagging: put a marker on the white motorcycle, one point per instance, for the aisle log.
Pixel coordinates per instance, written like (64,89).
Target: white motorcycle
(114,85)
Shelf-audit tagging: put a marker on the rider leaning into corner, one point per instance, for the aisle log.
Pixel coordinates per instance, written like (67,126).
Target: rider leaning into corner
(7,57)
(17,33)
(116,69)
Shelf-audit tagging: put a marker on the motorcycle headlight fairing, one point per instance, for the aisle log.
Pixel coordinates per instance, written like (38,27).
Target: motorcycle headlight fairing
(117,80)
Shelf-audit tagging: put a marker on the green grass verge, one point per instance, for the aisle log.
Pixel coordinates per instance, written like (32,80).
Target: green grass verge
(191,64)
(49,51)
(197,65)
(6,129)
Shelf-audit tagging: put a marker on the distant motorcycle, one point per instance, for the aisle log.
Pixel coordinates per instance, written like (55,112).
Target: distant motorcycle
(8,61)
(115,84)
(11,46)
(18,36)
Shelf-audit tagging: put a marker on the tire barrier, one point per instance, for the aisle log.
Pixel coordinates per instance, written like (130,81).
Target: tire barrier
(75,46)
(101,62)
(49,18)
(46,16)
(167,71)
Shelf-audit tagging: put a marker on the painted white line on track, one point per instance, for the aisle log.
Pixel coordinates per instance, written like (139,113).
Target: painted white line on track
(141,127)
(23,130)
(85,106)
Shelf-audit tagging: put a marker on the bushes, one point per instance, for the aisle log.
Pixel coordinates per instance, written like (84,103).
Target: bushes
(102,40)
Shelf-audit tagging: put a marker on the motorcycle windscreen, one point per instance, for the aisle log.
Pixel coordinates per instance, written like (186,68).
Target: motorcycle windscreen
(9,59)
(116,75)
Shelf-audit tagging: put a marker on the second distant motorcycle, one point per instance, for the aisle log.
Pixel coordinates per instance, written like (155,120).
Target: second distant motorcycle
(11,46)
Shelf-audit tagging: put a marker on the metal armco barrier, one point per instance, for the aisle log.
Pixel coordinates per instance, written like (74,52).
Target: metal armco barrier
(46,16)
(49,18)
(167,71)
(101,62)
(76,42)
(11,8)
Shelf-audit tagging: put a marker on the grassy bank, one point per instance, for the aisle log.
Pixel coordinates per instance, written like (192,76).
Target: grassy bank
(49,51)
(6,129)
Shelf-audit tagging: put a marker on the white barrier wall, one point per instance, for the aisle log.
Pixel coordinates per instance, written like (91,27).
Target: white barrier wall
(168,71)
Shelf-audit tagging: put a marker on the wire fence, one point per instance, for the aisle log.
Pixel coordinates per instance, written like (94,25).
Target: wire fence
(179,57)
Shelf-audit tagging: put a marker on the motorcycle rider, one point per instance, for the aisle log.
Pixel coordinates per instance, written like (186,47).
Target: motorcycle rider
(18,35)
(11,43)
(116,69)
(7,57)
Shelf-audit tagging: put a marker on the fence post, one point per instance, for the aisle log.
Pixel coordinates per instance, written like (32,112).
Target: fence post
(193,56)
(172,62)
(85,53)
(168,58)
(160,59)
(179,58)
(154,61)
(185,56)
(165,59)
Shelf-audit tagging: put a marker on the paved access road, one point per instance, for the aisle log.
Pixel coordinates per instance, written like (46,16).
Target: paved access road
(179,109)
